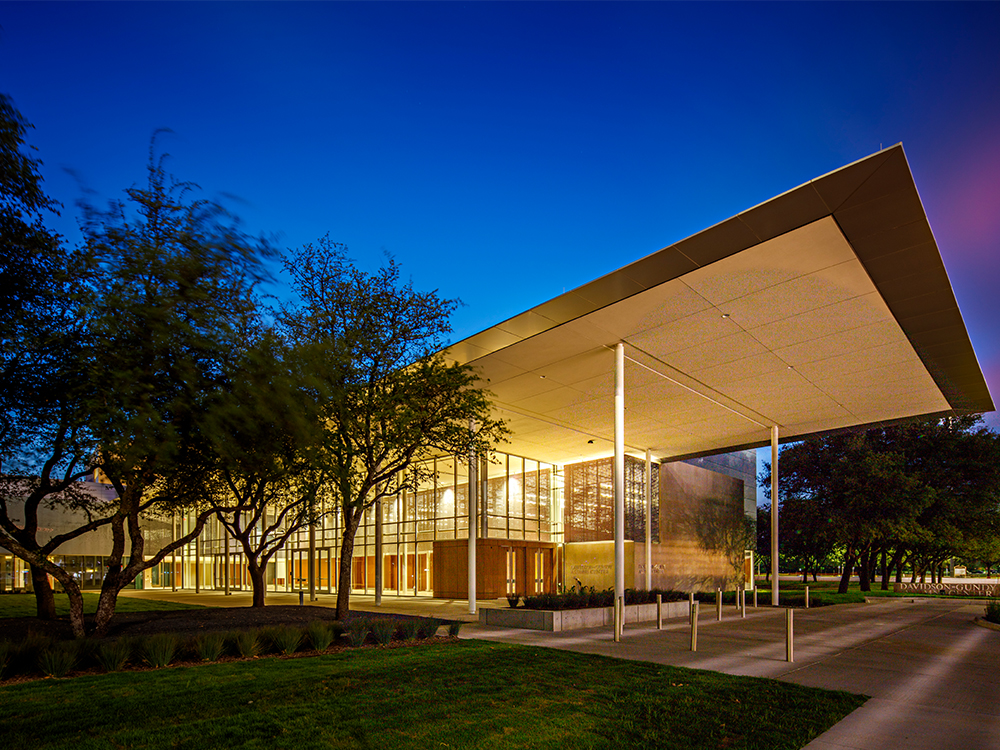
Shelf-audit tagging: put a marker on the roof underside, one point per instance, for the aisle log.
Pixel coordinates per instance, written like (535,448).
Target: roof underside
(825,308)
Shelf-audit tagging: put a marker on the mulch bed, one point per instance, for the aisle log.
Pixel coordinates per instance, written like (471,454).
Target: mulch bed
(184,622)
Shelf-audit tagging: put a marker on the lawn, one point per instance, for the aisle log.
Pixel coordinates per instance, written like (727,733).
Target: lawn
(822,593)
(23,605)
(469,694)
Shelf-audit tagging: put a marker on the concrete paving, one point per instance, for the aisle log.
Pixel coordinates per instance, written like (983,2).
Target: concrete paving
(932,672)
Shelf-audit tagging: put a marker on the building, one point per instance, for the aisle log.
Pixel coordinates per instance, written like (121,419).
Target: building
(825,308)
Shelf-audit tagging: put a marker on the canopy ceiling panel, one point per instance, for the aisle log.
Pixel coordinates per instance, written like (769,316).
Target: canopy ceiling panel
(825,308)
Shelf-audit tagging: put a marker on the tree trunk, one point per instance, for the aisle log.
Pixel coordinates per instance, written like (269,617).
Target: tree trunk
(885,572)
(845,578)
(346,560)
(45,601)
(256,582)
(864,570)
(108,600)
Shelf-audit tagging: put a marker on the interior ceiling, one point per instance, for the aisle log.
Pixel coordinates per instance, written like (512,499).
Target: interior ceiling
(819,310)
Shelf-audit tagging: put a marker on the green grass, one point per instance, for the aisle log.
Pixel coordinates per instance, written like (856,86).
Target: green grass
(470,694)
(823,593)
(23,605)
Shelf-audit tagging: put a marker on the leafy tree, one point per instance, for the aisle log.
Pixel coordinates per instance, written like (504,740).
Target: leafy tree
(45,445)
(763,533)
(921,491)
(389,398)
(266,426)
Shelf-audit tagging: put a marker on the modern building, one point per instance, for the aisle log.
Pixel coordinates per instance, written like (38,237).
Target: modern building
(635,401)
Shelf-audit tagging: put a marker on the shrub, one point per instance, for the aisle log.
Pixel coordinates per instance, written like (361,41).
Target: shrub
(337,628)
(286,639)
(209,646)
(320,635)
(5,651)
(383,629)
(993,611)
(247,643)
(24,656)
(513,599)
(454,627)
(408,629)
(58,660)
(114,655)
(357,631)
(427,628)
(159,650)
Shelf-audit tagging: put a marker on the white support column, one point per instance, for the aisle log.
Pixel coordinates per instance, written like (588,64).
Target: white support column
(378,551)
(473,522)
(774,516)
(312,562)
(619,470)
(649,520)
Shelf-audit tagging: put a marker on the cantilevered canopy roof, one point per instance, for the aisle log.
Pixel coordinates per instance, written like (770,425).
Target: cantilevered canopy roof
(824,308)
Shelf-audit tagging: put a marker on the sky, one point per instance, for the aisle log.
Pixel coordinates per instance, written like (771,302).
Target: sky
(504,153)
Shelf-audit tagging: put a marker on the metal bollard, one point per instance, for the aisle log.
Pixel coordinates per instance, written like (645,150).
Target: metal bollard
(718,604)
(807,597)
(694,627)
(755,596)
(789,635)
(743,602)
(659,611)
(302,595)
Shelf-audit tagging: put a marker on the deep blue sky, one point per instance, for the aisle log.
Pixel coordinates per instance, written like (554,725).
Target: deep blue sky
(507,152)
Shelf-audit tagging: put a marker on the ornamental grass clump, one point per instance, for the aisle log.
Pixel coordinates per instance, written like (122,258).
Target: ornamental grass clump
(5,651)
(383,629)
(114,655)
(247,643)
(320,635)
(159,650)
(408,629)
(24,656)
(286,639)
(357,631)
(209,646)
(59,660)
(993,611)
(427,628)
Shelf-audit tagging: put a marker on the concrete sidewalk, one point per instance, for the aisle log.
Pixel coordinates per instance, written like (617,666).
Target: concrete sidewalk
(933,674)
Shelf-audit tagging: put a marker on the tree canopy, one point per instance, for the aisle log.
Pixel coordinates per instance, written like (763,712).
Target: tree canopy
(916,493)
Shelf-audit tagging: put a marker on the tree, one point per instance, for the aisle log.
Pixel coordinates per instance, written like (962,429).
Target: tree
(267,426)
(170,281)
(921,491)
(45,444)
(763,530)
(389,397)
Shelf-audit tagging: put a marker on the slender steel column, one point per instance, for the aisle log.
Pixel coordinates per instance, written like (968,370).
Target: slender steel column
(312,562)
(378,553)
(619,471)
(197,564)
(774,516)
(649,521)
(473,520)
(173,555)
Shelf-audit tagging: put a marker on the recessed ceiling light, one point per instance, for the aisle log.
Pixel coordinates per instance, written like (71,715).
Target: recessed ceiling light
(590,442)
(725,315)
